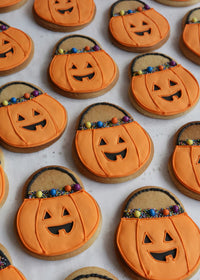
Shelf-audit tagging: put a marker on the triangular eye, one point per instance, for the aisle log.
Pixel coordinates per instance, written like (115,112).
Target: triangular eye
(6,42)
(56,2)
(65,213)
(20,118)
(74,67)
(144,23)
(47,216)
(36,113)
(198,160)
(156,87)
(172,83)
(121,140)
(132,25)
(89,65)
(168,237)
(147,239)
(102,142)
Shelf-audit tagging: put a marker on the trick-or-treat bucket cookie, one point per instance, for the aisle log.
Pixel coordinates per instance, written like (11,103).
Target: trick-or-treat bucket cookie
(30,119)
(9,5)
(189,41)
(109,144)
(160,87)
(7,270)
(184,165)
(4,185)
(136,27)
(91,273)
(80,68)
(178,3)
(58,219)
(64,15)
(156,238)
(16,49)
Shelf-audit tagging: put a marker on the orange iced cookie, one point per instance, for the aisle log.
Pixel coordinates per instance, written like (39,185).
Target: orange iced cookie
(91,273)
(109,144)
(136,27)
(30,119)
(156,238)
(58,218)
(7,270)
(80,68)
(160,87)
(184,165)
(9,5)
(178,3)
(16,49)
(62,15)
(189,41)
(3,181)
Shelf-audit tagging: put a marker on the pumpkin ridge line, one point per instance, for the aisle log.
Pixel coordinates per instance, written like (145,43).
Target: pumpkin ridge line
(196,177)
(36,227)
(154,102)
(2,186)
(127,32)
(137,248)
(49,12)
(99,66)
(65,71)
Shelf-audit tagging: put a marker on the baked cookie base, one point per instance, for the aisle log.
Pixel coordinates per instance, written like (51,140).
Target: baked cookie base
(177,3)
(12,7)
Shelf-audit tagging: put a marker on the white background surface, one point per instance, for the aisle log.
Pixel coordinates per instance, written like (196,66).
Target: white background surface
(109,196)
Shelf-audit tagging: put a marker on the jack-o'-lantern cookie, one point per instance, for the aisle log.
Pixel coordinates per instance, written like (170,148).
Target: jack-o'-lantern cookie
(91,273)
(189,41)
(9,5)
(7,270)
(184,165)
(109,144)
(58,218)
(16,49)
(62,15)
(161,88)
(136,27)
(80,68)
(30,119)
(3,181)
(178,3)
(156,238)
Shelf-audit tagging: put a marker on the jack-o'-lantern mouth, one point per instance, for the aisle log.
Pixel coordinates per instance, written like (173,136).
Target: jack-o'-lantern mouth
(35,125)
(141,33)
(174,96)
(5,53)
(80,78)
(68,11)
(66,227)
(165,256)
(115,156)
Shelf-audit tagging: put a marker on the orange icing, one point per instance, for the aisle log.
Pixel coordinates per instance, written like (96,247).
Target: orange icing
(185,239)
(7,3)
(20,43)
(191,34)
(33,228)
(103,67)
(2,184)
(49,109)
(120,29)
(93,157)
(11,273)
(142,87)
(82,11)
(186,167)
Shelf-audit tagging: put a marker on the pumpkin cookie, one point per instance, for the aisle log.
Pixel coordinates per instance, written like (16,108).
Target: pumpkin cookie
(80,68)
(9,5)
(156,238)
(184,165)
(109,144)
(3,181)
(16,49)
(178,3)
(62,15)
(58,218)
(7,270)
(136,27)
(30,119)
(189,41)
(91,273)
(160,87)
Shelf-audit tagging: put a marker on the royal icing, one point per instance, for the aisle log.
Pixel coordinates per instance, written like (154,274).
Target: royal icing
(8,3)
(15,49)
(166,92)
(2,184)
